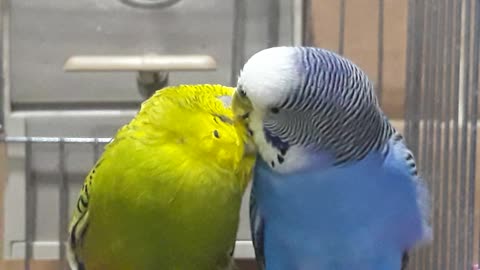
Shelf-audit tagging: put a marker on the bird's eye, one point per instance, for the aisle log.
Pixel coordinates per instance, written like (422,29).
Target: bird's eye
(241,92)
(274,110)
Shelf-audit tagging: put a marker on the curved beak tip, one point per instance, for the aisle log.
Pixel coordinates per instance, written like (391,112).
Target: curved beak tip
(241,106)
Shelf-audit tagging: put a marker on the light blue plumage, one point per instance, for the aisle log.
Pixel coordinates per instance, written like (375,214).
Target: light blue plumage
(335,188)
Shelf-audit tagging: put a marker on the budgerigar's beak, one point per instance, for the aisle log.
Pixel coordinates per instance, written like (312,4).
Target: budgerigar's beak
(242,107)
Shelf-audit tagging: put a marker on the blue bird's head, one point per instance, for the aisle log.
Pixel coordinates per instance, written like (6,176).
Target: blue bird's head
(308,107)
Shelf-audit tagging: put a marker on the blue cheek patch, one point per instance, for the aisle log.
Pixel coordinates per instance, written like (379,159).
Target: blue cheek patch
(275,141)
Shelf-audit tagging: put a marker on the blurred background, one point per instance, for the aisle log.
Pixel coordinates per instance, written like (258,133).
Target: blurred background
(73,72)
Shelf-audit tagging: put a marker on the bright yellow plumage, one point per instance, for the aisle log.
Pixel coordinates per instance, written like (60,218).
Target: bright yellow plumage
(166,193)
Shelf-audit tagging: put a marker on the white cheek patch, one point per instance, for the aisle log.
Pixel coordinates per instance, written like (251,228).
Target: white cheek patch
(296,159)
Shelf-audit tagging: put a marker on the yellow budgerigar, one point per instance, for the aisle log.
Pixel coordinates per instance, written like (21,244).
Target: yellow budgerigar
(166,192)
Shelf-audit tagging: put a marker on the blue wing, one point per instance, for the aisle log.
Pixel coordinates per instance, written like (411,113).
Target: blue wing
(405,259)
(257,230)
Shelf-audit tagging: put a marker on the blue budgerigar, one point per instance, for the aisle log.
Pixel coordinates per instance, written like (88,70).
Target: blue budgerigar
(336,187)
